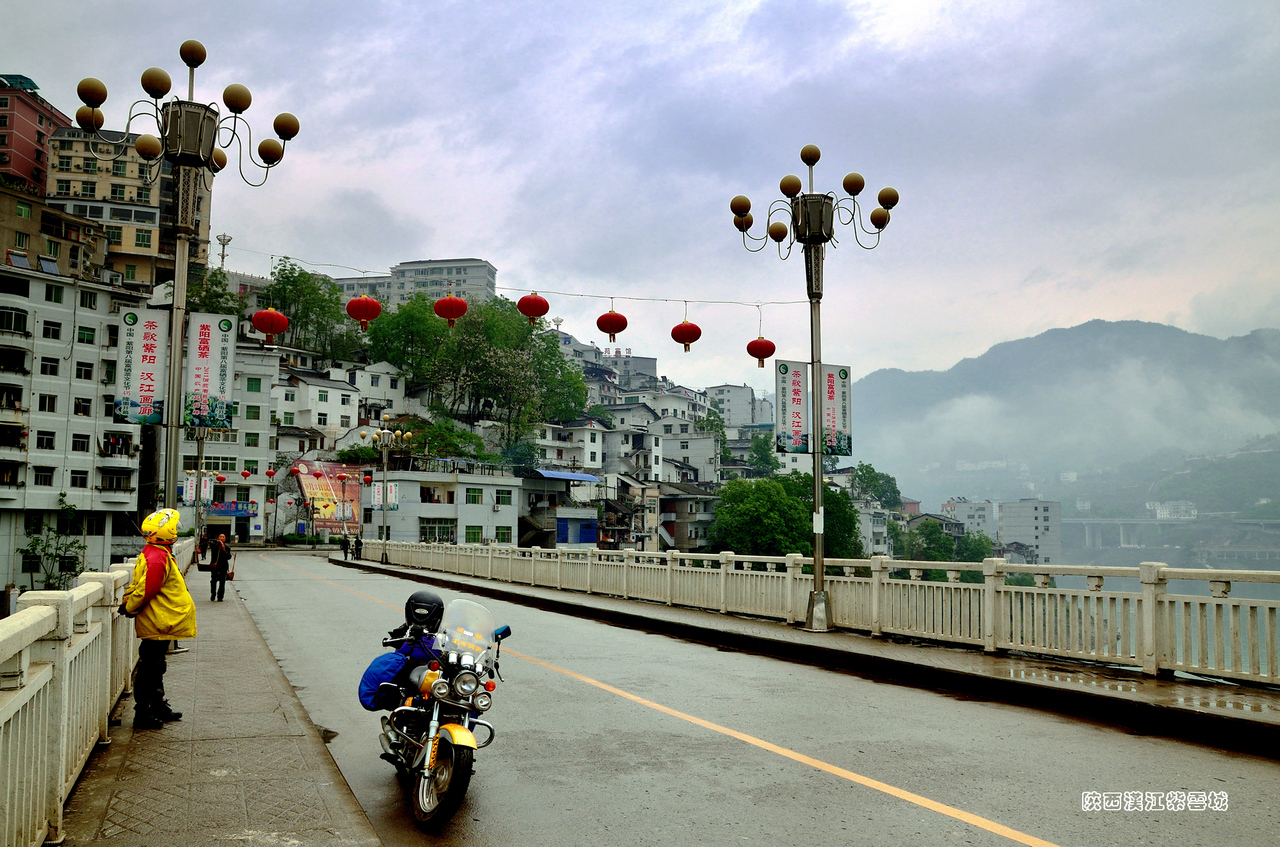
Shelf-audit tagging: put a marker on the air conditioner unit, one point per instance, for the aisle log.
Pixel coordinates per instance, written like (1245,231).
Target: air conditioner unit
(497,507)
(112,276)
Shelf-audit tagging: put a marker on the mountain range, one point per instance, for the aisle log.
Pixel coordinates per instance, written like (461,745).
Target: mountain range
(1068,401)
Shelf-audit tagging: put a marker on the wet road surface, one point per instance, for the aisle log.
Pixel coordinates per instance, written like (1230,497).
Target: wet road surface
(609,736)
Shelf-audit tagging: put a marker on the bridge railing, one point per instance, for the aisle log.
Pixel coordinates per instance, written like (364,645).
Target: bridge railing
(65,659)
(1151,628)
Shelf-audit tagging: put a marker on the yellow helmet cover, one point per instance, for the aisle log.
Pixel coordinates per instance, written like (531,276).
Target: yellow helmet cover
(161,527)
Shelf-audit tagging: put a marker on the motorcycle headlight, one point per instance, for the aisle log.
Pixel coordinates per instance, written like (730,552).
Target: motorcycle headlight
(440,689)
(482,701)
(466,684)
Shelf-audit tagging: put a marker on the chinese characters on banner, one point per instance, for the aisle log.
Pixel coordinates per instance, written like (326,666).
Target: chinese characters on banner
(189,490)
(393,496)
(211,347)
(791,424)
(837,438)
(337,509)
(142,368)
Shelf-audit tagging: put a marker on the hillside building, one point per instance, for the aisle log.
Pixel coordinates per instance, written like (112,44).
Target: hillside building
(977,516)
(474,280)
(1036,524)
(27,123)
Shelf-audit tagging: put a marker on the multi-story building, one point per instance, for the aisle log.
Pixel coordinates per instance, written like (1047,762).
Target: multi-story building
(446,501)
(27,121)
(670,401)
(380,386)
(873,527)
(40,237)
(107,181)
(474,280)
(632,371)
(59,348)
(977,516)
(687,513)
(574,445)
(239,507)
(738,405)
(1035,524)
(683,443)
(314,401)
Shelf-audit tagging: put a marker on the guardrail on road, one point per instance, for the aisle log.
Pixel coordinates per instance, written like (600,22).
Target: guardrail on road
(1155,630)
(66,657)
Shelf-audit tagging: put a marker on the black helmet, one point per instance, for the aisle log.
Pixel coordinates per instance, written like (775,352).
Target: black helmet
(424,608)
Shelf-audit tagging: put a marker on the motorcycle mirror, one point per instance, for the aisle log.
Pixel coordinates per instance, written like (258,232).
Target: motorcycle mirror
(501,632)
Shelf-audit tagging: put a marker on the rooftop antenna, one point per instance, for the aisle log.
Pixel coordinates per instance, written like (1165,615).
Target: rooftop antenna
(224,240)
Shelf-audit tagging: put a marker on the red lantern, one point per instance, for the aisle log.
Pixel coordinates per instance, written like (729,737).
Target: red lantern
(288,502)
(220,478)
(253,502)
(451,308)
(271,323)
(368,480)
(611,322)
(364,309)
(295,471)
(533,307)
(317,474)
(271,472)
(686,333)
(343,477)
(760,349)
(244,474)
(272,500)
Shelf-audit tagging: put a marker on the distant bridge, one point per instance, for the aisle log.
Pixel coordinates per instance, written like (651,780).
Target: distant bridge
(1129,527)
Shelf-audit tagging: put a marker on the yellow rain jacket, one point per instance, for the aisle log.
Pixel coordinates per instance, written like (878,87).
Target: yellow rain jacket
(159,598)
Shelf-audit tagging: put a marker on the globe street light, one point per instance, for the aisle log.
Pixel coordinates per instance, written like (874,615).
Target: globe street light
(812,218)
(193,139)
(386,440)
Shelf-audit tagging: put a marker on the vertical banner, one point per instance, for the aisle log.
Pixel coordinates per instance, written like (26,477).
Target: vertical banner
(189,490)
(142,367)
(392,499)
(791,421)
(211,351)
(837,437)
(206,489)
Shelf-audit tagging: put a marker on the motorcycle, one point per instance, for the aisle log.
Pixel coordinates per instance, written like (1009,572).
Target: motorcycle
(430,734)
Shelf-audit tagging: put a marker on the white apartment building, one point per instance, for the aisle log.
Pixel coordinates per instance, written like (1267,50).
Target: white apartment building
(977,516)
(309,400)
(59,348)
(738,404)
(1036,524)
(675,401)
(682,442)
(380,387)
(632,371)
(873,526)
(440,500)
(474,280)
(575,445)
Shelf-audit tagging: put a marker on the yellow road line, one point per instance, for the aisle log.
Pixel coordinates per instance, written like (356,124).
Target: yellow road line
(865,781)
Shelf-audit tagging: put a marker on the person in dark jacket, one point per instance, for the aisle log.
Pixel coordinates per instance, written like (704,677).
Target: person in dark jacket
(221,551)
(345,544)
(359,547)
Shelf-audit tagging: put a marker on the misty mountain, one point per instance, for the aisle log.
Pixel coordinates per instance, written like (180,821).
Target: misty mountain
(1068,400)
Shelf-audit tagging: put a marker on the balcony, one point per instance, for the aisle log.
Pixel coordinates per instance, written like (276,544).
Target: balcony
(114,495)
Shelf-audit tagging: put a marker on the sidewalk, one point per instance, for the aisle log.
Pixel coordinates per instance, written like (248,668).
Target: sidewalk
(1214,712)
(244,765)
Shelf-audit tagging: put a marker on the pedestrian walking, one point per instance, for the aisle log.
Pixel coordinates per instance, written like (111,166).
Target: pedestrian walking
(345,544)
(359,547)
(204,545)
(162,612)
(221,565)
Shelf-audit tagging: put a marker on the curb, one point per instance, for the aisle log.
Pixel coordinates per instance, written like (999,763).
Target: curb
(1239,734)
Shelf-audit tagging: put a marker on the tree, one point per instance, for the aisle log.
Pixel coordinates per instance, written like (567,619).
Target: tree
(973,548)
(208,292)
(872,484)
(713,422)
(841,536)
(600,413)
(759,518)
(313,304)
(58,547)
(928,543)
(761,457)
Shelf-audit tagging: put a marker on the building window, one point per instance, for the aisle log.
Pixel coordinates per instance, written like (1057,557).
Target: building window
(84,370)
(83,407)
(289,396)
(79,443)
(21,240)
(62,188)
(502,534)
(52,293)
(373,381)
(52,330)
(593,455)
(144,194)
(684,445)
(45,440)
(44,476)
(322,397)
(87,188)
(288,418)
(253,413)
(253,383)
(322,419)
(85,335)
(109,373)
(395,383)
(345,421)
(52,248)
(368,515)
(119,168)
(684,429)
(251,439)
(113,335)
(48,366)
(251,465)
(346,399)
(666,429)
(473,534)
(108,405)
(88,300)
(79,479)
(115,235)
(141,237)
(130,271)
(48,402)
(502,496)
(24,211)
(117,190)
(475,496)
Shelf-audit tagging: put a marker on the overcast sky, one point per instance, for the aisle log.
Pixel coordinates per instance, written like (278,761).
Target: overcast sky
(1057,162)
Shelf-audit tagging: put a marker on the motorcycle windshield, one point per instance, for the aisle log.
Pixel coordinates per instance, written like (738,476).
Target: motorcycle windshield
(467,628)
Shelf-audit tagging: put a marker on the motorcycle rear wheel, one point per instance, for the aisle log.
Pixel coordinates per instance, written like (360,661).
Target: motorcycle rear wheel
(438,793)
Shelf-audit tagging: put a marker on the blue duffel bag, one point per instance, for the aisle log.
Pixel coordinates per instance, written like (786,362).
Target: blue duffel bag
(382,669)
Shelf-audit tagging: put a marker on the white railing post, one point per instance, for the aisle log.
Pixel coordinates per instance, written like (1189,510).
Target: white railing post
(1154,638)
(626,573)
(672,558)
(993,580)
(793,570)
(560,554)
(879,568)
(106,606)
(52,648)
(726,562)
(488,573)
(591,563)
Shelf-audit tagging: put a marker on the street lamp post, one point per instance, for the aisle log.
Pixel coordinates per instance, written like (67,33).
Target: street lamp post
(385,440)
(812,223)
(192,138)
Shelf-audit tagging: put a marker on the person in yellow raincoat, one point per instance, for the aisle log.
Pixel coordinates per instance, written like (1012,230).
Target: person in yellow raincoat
(162,610)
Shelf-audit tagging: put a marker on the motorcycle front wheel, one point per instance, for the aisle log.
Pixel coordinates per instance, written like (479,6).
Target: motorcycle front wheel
(437,793)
